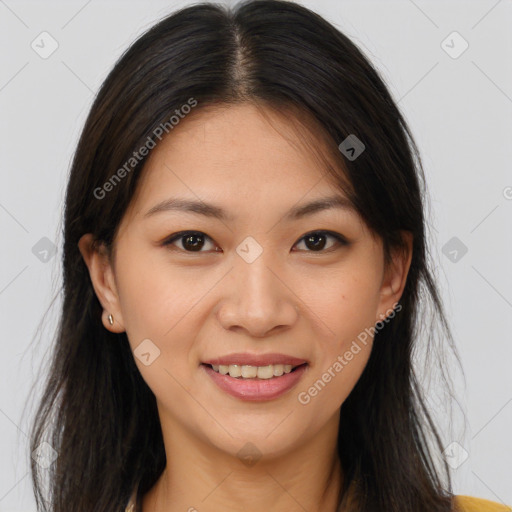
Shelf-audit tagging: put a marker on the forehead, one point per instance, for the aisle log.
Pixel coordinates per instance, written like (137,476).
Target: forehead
(236,155)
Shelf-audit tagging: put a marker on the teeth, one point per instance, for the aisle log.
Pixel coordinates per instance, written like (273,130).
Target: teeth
(250,372)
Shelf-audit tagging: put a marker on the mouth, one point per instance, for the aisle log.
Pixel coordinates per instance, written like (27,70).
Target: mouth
(255,383)
(254,372)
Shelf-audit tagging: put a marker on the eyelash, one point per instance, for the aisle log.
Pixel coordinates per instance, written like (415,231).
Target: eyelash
(182,234)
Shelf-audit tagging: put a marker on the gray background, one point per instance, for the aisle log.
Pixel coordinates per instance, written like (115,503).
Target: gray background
(459,110)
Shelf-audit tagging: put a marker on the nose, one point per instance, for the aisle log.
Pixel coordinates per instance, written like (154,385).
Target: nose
(257,299)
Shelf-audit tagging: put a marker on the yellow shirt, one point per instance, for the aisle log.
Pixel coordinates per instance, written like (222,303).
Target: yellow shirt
(470,504)
(466,504)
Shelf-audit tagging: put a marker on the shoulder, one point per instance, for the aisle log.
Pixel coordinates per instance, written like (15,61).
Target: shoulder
(471,504)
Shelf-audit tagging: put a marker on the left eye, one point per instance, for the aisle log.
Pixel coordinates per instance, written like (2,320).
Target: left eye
(193,241)
(316,240)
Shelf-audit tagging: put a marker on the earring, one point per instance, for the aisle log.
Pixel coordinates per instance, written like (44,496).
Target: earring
(110,319)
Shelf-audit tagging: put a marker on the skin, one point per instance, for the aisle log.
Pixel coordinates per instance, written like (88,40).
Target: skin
(293,299)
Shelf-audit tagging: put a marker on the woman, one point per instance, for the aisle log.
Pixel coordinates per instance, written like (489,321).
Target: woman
(244,258)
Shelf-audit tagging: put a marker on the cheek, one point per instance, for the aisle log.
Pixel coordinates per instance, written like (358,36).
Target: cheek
(143,294)
(343,351)
(329,386)
(157,304)
(346,300)
(167,305)
(156,299)
(342,300)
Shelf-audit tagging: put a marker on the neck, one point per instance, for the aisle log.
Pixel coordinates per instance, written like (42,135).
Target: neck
(200,477)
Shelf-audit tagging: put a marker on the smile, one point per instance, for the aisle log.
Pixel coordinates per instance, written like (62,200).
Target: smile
(255,383)
(251,372)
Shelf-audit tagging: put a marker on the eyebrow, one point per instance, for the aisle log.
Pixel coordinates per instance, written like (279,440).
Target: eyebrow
(213,211)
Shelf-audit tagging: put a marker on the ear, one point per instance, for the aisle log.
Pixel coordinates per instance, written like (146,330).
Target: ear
(102,277)
(395,277)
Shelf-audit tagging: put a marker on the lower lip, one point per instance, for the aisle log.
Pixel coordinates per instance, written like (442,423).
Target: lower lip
(256,389)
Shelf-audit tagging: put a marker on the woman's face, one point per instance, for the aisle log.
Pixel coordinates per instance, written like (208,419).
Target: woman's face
(248,282)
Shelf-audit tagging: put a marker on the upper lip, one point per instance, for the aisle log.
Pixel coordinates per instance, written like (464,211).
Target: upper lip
(255,359)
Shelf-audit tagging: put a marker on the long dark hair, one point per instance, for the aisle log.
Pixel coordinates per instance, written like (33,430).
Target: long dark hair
(97,412)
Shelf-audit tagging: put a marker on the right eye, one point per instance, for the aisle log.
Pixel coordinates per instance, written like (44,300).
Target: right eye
(191,241)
